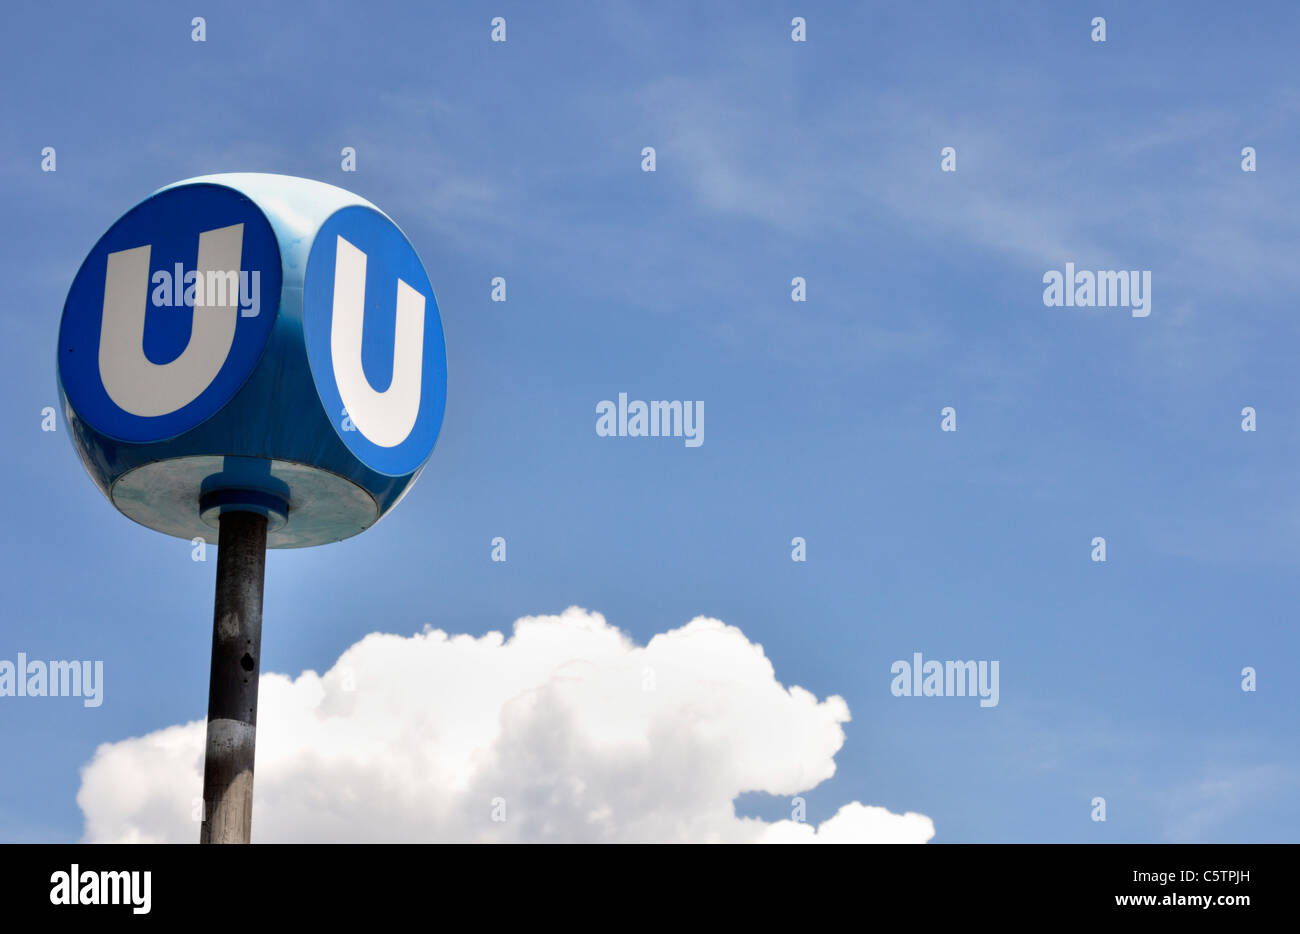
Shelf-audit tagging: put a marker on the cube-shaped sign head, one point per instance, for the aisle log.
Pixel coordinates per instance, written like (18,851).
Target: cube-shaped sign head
(255,342)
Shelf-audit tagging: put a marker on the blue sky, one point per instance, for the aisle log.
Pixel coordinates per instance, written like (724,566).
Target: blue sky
(775,159)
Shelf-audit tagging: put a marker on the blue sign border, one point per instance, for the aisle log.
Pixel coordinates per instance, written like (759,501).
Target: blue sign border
(389,256)
(170,222)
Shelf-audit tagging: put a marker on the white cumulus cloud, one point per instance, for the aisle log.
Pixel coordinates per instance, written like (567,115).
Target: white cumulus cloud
(566,731)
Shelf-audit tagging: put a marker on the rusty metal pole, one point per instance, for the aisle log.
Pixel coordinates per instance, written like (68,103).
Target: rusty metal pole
(232,684)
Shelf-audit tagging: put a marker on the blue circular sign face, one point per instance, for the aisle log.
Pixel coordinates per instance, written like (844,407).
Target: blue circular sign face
(170,313)
(374,340)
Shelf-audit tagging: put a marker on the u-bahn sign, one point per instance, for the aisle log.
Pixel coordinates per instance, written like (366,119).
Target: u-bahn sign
(257,342)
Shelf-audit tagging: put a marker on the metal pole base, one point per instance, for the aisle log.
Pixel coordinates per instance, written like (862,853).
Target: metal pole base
(232,685)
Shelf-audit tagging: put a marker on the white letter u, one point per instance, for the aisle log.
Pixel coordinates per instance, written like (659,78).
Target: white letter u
(132,380)
(385,418)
